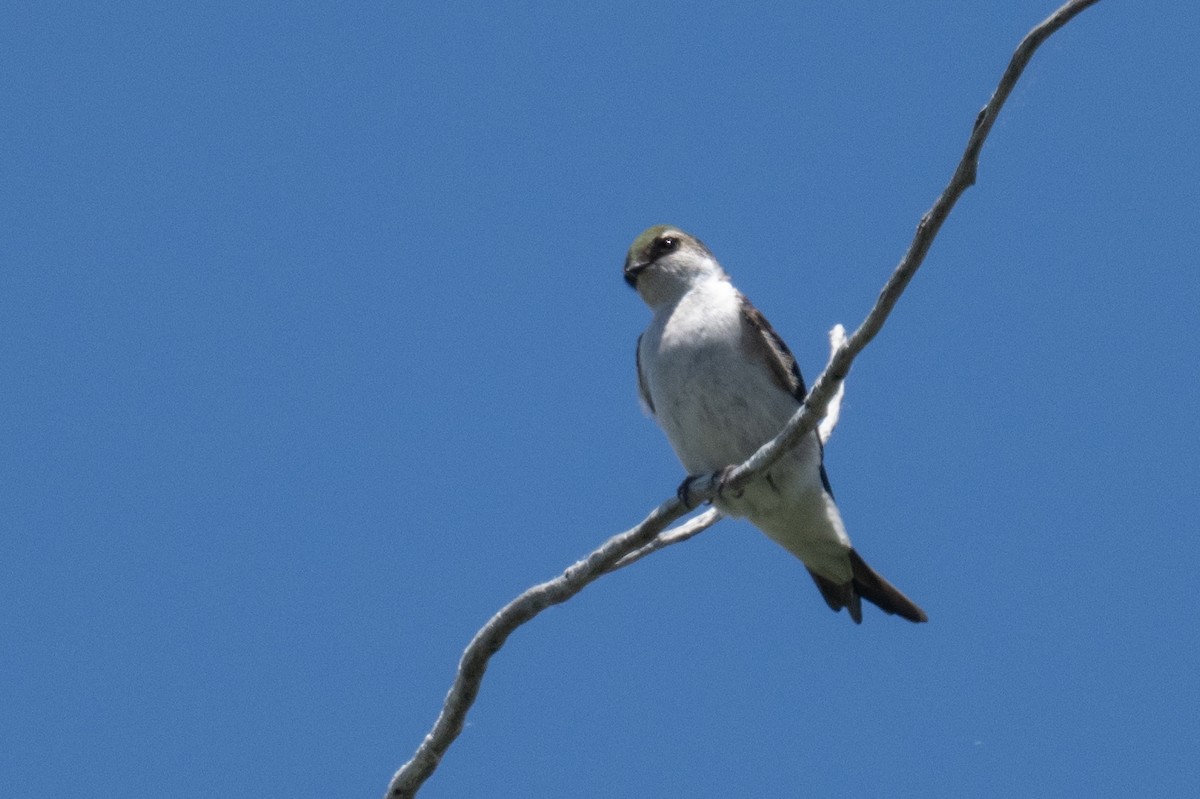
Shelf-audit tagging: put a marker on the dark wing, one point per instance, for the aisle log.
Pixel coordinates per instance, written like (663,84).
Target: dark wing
(761,342)
(643,389)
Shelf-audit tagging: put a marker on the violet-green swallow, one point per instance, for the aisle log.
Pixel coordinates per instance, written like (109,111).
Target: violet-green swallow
(721,383)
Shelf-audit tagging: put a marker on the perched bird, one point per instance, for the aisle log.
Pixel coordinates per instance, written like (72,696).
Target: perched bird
(721,383)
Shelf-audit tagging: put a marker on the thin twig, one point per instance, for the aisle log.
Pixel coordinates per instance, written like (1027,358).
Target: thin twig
(488,640)
(676,535)
(492,636)
(826,385)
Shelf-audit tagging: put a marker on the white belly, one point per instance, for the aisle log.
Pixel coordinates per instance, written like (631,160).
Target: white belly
(716,408)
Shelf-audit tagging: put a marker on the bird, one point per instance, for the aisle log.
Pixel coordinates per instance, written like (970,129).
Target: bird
(720,382)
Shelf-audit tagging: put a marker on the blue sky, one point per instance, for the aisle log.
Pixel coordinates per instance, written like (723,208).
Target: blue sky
(316,352)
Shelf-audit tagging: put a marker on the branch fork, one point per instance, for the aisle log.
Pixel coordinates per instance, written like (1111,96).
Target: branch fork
(652,533)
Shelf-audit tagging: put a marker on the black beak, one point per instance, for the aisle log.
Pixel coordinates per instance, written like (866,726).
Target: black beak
(632,270)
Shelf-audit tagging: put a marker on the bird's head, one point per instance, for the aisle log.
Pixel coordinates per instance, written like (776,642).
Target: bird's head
(664,262)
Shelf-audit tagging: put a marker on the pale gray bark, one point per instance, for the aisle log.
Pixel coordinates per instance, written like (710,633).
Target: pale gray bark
(649,535)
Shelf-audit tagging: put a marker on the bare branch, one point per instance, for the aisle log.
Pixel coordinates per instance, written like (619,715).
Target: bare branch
(826,386)
(492,636)
(676,535)
(641,540)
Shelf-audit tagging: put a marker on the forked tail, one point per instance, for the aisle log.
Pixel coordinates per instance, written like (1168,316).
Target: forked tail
(867,584)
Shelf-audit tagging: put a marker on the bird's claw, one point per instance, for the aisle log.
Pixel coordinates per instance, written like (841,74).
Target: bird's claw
(684,492)
(720,477)
(723,479)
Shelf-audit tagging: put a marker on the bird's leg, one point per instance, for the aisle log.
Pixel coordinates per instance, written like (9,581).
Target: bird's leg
(722,478)
(718,478)
(684,492)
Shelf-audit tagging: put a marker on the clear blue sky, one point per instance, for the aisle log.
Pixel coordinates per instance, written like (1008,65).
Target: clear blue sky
(316,352)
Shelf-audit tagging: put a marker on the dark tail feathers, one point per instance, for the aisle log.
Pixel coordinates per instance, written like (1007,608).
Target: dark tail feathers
(869,585)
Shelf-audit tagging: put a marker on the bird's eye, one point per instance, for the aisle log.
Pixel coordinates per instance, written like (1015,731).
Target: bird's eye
(667,244)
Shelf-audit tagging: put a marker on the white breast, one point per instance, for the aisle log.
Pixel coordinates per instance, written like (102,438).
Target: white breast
(715,405)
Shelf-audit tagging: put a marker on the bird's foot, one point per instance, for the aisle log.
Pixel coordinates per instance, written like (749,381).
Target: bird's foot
(723,479)
(719,478)
(684,492)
